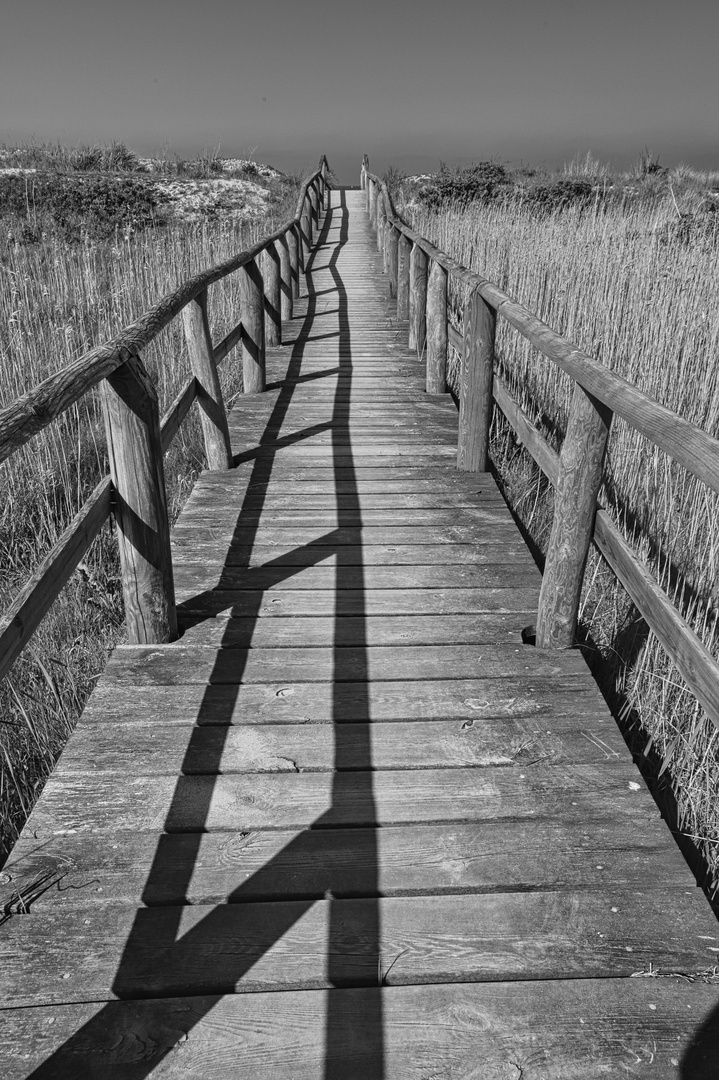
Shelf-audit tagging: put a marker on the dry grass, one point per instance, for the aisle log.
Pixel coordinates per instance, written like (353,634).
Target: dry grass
(57,300)
(635,282)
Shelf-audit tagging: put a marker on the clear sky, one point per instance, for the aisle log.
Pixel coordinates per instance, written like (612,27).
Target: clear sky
(408,83)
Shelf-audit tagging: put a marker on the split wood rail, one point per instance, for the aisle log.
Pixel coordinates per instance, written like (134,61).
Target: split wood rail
(418,275)
(137,438)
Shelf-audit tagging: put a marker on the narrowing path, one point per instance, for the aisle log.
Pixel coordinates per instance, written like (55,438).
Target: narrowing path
(350,825)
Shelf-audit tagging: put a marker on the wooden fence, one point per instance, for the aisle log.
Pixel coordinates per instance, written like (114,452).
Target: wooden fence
(418,275)
(137,438)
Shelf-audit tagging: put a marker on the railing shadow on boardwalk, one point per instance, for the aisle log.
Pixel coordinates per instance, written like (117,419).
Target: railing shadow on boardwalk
(356,1036)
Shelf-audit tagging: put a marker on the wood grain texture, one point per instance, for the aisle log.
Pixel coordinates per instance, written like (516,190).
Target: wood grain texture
(253,329)
(280,946)
(437,329)
(626,849)
(286,290)
(107,804)
(134,443)
(271,278)
(178,410)
(627,1027)
(208,391)
(580,476)
(477,372)
(404,248)
(417,299)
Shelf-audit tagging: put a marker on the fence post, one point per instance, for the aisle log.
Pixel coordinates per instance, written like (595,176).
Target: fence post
(295,248)
(417,299)
(212,410)
(285,278)
(403,255)
(253,328)
(306,231)
(580,476)
(372,202)
(314,203)
(271,281)
(134,446)
(437,330)
(392,257)
(475,401)
(381,219)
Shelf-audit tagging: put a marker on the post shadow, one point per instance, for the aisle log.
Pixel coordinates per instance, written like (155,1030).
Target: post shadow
(353,1038)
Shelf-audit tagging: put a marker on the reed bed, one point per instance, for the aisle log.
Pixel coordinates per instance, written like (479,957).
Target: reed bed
(57,300)
(634,282)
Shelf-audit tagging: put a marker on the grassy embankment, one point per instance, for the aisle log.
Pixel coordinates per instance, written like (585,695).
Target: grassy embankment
(88,240)
(627,268)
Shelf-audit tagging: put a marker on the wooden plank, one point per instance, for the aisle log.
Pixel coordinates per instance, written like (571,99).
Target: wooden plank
(99,746)
(174,663)
(518,574)
(626,846)
(471,701)
(42,588)
(189,543)
(277,632)
(558,1029)
(251,948)
(107,804)
(216,436)
(172,420)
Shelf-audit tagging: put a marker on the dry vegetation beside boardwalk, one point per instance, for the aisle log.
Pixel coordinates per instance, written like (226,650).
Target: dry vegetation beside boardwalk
(69,279)
(627,268)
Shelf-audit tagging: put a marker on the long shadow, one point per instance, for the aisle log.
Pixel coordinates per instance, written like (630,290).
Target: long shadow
(353,1039)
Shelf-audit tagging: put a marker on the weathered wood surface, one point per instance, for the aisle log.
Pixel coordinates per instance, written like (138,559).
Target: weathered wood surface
(349,783)
(134,447)
(218,450)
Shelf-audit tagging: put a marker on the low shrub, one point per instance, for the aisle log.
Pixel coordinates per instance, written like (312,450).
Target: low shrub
(73,206)
(462,185)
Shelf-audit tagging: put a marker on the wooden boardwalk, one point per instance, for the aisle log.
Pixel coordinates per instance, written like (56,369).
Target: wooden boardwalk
(349,825)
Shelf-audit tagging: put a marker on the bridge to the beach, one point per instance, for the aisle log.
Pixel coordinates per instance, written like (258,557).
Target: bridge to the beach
(365,814)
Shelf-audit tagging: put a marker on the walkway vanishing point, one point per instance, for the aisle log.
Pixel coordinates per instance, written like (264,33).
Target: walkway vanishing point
(349,825)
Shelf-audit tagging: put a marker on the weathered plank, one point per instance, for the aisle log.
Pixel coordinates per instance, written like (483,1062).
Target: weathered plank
(250,948)
(561,1030)
(626,846)
(207,803)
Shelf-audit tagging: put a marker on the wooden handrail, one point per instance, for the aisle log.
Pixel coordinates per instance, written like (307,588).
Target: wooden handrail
(599,393)
(32,412)
(138,440)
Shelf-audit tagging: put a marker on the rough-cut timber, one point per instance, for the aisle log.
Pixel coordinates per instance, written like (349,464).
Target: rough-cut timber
(349,826)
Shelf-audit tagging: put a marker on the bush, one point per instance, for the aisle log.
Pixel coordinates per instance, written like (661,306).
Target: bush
(561,194)
(480,182)
(74,206)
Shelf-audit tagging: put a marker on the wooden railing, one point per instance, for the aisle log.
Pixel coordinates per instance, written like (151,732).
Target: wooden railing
(418,274)
(136,436)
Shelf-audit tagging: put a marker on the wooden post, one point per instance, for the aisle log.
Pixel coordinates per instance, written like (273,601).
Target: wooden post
(271,280)
(381,219)
(403,255)
(253,328)
(392,257)
(575,501)
(475,400)
(209,395)
(306,231)
(314,203)
(134,446)
(295,249)
(417,299)
(285,278)
(437,330)
(372,201)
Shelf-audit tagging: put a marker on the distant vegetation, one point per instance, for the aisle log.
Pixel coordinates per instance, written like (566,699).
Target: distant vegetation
(626,266)
(89,239)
